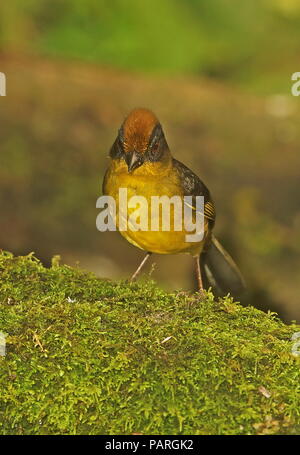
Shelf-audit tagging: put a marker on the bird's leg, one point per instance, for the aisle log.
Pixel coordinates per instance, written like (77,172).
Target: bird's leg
(136,273)
(198,273)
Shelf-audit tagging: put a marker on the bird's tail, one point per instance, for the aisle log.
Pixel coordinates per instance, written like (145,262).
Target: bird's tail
(220,272)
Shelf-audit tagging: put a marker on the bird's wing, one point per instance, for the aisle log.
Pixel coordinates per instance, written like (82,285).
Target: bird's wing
(193,186)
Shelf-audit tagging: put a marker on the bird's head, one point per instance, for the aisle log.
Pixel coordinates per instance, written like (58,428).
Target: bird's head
(140,140)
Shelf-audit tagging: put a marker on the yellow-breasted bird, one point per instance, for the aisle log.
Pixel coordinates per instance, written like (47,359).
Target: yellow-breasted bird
(142,163)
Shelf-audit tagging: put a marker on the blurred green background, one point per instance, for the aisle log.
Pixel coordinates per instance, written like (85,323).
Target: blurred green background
(218,75)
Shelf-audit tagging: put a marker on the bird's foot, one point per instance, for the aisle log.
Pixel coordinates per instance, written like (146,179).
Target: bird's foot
(200,294)
(184,294)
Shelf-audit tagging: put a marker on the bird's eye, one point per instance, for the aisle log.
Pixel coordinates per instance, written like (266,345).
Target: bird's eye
(154,151)
(117,150)
(154,146)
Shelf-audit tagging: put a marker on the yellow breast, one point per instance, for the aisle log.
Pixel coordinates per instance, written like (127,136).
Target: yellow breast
(148,181)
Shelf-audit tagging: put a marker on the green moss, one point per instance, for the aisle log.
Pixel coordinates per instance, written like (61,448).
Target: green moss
(91,356)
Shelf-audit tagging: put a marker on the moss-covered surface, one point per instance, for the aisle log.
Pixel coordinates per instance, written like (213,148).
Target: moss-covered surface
(90,356)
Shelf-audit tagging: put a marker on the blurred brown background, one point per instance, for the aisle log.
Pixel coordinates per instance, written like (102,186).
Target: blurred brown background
(222,90)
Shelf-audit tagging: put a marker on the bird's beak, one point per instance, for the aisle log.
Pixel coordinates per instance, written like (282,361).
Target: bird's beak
(132,160)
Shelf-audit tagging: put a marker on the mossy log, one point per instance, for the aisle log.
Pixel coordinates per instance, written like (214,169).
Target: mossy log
(90,356)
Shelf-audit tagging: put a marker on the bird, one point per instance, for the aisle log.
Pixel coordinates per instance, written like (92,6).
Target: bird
(142,163)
